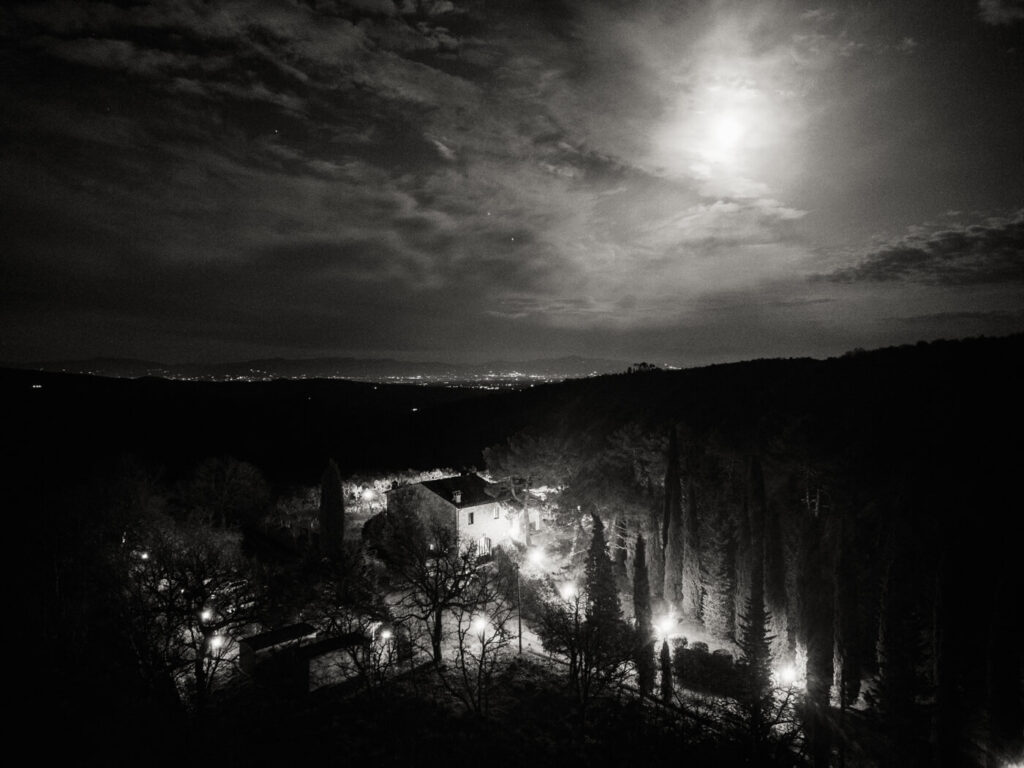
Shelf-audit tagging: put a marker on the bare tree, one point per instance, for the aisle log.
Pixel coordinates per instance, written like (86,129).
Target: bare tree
(483,637)
(348,606)
(430,569)
(526,460)
(560,622)
(225,491)
(188,603)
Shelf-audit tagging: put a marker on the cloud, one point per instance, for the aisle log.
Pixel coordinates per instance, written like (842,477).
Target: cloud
(120,55)
(1000,12)
(977,254)
(995,317)
(907,45)
(545,170)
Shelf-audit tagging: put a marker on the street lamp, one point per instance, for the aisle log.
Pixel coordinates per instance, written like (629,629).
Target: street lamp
(571,595)
(787,675)
(534,557)
(519,609)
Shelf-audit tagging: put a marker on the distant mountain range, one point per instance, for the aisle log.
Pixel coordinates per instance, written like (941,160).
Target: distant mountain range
(383,369)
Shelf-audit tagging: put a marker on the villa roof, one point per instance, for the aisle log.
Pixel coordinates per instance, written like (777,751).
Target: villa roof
(473,490)
(288,634)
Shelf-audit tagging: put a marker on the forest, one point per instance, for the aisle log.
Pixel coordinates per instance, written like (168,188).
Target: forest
(844,531)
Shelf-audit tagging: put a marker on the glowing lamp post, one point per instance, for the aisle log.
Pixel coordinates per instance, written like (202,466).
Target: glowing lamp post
(571,595)
(786,675)
(534,557)
(382,655)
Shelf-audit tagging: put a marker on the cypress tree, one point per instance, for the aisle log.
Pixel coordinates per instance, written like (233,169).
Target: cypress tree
(750,540)
(332,511)
(605,642)
(644,624)
(755,699)
(754,642)
(602,607)
(817,633)
(775,578)
(692,590)
(897,684)
(656,555)
(666,673)
(672,525)
(718,608)
(620,553)
(848,621)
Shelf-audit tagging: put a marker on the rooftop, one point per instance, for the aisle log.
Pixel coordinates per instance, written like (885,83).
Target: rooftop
(472,490)
(279,636)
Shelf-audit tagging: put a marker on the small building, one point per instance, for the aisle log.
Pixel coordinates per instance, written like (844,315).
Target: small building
(254,650)
(329,661)
(479,511)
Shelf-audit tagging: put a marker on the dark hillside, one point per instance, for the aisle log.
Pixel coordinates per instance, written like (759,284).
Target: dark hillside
(943,402)
(884,483)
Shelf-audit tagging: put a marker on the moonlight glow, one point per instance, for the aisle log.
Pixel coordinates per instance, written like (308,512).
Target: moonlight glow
(688,183)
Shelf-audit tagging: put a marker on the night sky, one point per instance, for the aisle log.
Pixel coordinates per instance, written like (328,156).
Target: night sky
(680,182)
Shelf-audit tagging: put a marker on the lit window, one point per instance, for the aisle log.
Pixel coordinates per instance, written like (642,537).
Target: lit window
(469,516)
